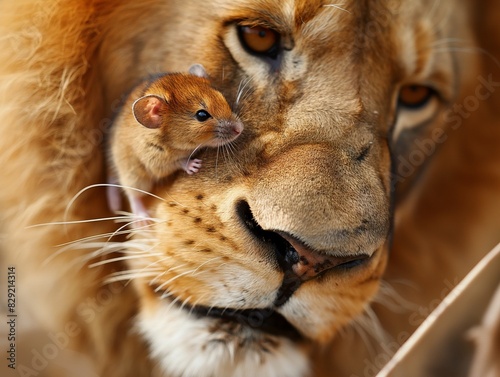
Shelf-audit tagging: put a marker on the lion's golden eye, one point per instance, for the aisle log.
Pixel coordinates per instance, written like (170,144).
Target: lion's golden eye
(415,96)
(259,40)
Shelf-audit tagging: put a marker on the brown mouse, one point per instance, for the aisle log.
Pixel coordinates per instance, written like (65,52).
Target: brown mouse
(161,124)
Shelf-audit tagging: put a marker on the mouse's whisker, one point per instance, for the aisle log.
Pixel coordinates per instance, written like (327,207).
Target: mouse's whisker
(194,151)
(243,91)
(217,163)
(229,151)
(231,147)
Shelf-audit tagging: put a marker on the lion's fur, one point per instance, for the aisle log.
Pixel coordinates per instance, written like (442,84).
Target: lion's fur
(49,81)
(65,66)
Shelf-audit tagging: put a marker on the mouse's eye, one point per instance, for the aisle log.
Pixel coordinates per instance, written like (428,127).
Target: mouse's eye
(202,115)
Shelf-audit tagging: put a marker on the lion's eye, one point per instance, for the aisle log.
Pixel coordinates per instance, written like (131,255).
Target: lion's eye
(202,115)
(259,40)
(417,105)
(415,96)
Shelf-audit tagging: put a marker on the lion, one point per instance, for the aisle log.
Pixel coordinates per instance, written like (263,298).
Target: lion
(269,258)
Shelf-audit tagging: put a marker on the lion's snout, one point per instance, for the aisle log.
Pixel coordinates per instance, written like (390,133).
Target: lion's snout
(327,203)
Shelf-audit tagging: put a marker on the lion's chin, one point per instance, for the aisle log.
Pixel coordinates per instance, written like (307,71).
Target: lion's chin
(203,343)
(262,320)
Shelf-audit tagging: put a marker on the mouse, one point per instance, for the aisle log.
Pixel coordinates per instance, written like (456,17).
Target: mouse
(163,121)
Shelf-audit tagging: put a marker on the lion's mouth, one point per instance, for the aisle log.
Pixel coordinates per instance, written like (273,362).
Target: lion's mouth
(267,320)
(264,320)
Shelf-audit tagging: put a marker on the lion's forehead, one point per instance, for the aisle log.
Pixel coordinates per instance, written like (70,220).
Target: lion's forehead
(369,30)
(343,58)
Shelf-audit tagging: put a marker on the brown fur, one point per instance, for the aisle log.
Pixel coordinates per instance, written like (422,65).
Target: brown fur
(66,65)
(150,142)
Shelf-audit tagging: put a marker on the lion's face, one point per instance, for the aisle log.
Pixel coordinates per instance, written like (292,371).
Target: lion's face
(281,237)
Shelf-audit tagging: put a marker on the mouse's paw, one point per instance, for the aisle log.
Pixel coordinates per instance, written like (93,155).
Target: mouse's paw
(114,198)
(193,166)
(141,215)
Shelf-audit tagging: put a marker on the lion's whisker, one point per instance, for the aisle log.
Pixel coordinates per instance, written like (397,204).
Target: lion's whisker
(128,278)
(120,231)
(185,302)
(97,185)
(389,297)
(166,294)
(193,306)
(73,222)
(119,259)
(83,246)
(173,303)
(164,284)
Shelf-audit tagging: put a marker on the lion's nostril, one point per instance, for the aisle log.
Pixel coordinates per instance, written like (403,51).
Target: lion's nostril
(245,214)
(291,256)
(308,263)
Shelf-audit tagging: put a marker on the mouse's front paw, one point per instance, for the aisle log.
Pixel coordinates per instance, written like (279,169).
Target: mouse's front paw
(193,166)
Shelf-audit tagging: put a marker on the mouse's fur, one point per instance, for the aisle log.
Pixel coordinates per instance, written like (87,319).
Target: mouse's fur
(158,130)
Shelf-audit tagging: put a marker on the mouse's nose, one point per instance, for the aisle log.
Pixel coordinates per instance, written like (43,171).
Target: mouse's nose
(236,126)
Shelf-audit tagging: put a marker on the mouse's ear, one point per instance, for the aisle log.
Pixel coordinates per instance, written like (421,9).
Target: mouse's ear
(149,110)
(198,70)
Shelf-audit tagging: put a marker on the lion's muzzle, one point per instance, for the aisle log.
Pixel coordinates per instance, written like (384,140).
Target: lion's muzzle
(325,204)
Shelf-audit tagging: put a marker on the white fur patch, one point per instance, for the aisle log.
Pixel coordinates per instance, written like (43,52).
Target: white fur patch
(187,346)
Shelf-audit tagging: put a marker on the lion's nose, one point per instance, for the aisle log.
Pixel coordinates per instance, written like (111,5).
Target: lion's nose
(298,261)
(307,263)
(333,206)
